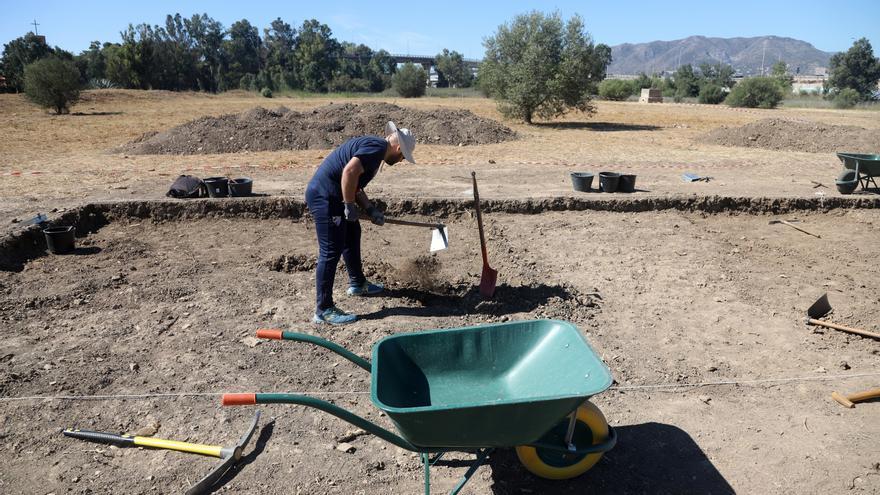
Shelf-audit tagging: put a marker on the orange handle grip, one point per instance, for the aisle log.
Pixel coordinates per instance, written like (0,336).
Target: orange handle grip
(239,399)
(269,333)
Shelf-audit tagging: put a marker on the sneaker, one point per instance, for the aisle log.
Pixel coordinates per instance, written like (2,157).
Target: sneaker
(365,289)
(333,316)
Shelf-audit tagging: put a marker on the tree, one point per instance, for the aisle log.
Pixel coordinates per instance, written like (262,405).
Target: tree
(317,55)
(242,51)
(686,81)
(846,98)
(857,68)
(279,40)
(410,80)
(718,74)
(452,69)
(779,72)
(615,89)
(20,52)
(52,83)
(755,92)
(92,63)
(711,94)
(207,35)
(536,65)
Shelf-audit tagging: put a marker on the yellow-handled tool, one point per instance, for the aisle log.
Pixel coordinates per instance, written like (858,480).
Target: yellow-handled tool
(156,443)
(230,455)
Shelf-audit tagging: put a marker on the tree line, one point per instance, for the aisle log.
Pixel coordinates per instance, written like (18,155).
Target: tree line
(536,65)
(200,54)
(853,77)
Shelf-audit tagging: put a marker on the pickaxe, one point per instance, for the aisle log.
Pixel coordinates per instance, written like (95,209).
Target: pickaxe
(229,455)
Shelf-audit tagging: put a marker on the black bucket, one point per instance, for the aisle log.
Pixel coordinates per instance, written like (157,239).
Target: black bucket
(218,187)
(582,181)
(60,240)
(627,183)
(242,186)
(608,181)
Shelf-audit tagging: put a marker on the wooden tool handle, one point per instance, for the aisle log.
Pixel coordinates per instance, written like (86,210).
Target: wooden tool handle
(874,393)
(798,228)
(413,224)
(835,326)
(480,220)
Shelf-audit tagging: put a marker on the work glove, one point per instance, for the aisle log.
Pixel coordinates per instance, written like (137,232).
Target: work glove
(376,215)
(351,212)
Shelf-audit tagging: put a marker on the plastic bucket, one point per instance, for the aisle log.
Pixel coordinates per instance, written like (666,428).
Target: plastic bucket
(609,181)
(242,186)
(218,187)
(627,183)
(582,181)
(60,240)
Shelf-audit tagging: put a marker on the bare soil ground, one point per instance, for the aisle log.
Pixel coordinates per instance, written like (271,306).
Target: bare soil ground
(323,128)
(796,135)
(153,306)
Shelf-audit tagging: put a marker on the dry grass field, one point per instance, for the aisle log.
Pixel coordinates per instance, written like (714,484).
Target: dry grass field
(720,387)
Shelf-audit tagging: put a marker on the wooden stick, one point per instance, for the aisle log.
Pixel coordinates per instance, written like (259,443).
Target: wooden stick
(835,326)
(848,400)
(798,228)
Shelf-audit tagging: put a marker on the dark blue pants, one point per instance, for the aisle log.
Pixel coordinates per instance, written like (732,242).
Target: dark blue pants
(337,238)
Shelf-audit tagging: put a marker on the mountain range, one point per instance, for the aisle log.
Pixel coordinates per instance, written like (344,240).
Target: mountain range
(746,55)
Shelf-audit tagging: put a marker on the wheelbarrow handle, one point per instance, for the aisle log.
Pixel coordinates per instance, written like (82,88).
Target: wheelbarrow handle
(305,400)
(274,333)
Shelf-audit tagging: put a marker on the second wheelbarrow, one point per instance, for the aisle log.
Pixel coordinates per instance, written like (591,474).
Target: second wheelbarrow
(521,384)
(858,169)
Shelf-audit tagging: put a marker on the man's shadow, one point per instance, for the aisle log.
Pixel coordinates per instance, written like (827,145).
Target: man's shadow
(648,458)
(451,302)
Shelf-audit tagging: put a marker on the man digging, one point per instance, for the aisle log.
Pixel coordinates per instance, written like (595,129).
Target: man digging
(333,196)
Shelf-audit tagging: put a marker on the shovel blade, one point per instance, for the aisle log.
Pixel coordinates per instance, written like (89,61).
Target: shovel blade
(819,308)
(487,282)
(439,239)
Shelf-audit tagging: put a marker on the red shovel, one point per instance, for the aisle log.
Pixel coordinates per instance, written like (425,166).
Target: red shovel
(489,276)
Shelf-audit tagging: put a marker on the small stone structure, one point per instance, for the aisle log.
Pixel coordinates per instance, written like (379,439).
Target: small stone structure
(651,95)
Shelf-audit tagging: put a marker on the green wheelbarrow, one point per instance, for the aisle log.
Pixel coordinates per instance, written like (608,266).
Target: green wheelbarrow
(520,384)
(859,169)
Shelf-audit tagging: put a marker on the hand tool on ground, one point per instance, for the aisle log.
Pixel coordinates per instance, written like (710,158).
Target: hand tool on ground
(489,276)
(821,308)
(39,219)
(439,231)
(229,455)
(847,400)
(790,224)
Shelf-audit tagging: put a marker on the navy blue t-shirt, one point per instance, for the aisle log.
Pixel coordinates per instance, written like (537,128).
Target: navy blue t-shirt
(328,177)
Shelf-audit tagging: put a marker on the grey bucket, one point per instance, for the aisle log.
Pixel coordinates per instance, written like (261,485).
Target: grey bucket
(627,183)
(218,187)
(582,181)
(242,186)
(608,181)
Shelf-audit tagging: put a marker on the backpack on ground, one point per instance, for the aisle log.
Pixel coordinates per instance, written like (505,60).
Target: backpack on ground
(188,186)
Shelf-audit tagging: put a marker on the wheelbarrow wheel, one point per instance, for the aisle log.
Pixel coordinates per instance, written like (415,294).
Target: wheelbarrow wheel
(591,428)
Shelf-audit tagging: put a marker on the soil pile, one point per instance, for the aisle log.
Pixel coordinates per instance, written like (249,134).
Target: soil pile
(797,135)
(259,129)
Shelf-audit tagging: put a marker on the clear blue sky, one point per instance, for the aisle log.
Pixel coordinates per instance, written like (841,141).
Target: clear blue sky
(425,28)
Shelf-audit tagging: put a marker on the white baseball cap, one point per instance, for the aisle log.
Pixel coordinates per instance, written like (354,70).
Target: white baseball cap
(405,138)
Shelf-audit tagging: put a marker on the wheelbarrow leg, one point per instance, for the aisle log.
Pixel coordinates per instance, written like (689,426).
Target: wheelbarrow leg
(428,462)
(481,459)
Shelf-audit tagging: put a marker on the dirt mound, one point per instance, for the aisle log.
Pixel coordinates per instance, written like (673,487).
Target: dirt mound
(796,135)
(259,129)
